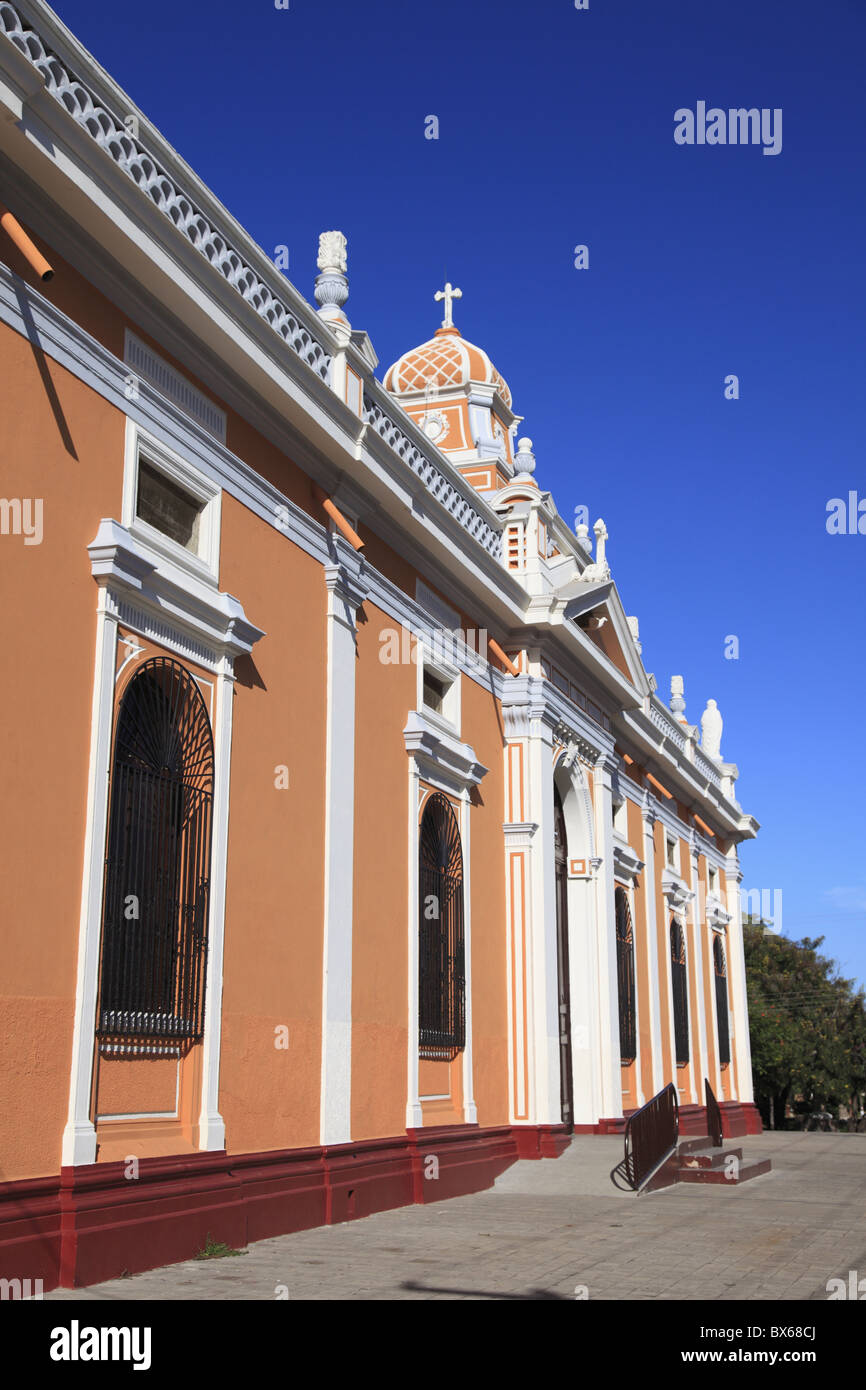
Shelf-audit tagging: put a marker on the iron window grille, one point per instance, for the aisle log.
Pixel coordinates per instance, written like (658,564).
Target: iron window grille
(625,979)
(441,964)
(157,869)
(721,974)
(680,993)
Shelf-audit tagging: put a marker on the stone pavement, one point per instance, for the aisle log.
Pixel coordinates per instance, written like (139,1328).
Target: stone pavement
(556,1228)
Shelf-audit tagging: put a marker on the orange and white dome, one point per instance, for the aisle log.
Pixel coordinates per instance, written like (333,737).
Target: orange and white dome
(446,361)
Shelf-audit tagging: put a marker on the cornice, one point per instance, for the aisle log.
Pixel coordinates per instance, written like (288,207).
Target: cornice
(626,864)
(121,564)
(677,894)
(440,757)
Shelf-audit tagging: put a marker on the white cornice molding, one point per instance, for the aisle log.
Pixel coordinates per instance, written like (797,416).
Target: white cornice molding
(440,757)
(519,834)
(626,864)
(676,892)
(716,913)
(168,596)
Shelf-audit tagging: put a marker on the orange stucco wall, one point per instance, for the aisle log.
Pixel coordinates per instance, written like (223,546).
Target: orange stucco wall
(269,1094)
(384,694)
(482,729)
(61,444)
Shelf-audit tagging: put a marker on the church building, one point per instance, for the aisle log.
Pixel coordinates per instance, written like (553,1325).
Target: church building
(351,852)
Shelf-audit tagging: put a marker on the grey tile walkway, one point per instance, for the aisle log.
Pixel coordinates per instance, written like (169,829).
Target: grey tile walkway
(549,1229)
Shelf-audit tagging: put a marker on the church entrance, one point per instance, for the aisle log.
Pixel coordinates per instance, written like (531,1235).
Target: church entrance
(561,860)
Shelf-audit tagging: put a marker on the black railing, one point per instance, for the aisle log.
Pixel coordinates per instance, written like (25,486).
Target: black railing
(714,1117)
(651,1136)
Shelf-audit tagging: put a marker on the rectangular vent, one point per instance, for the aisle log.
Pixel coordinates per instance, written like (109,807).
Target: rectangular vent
(147,364)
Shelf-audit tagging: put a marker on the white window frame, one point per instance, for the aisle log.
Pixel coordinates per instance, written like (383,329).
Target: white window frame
(204,561)
(449,719)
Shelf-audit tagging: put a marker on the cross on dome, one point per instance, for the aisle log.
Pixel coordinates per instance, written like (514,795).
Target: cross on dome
(448,294)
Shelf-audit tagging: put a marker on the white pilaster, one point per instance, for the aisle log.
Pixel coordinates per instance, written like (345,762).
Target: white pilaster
(605,918)
(739,1017)
(79,1136)
(346,592)
(212,1130)
(659,990)
(700,1002)
(470,1110)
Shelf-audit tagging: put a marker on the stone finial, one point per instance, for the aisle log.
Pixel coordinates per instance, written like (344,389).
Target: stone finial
(678,704)
(634,629)
(332,252)
(711,731)
(332,287)
(524,459)
(582,534)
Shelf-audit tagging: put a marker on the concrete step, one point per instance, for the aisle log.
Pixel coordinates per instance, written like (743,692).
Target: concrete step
(708,1157)
(721,1175)
(686,1146)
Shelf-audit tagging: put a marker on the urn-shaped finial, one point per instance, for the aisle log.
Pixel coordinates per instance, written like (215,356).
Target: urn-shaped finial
(332,286)
(678,704)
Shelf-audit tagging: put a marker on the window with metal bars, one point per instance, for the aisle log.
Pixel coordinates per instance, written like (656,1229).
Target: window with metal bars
(721,974)
(157,870)
(625,978)
(441,964)
(680,993)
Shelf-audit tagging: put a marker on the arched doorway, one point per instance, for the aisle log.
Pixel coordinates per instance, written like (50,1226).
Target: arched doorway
(560,844)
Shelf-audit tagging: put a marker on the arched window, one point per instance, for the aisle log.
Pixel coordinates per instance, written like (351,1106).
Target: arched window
(721,974)
(680,992)
(441,966)
(625,978)
(157,874)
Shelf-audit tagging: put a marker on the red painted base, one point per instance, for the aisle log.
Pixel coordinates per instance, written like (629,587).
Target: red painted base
(542,1141)
(739,1118)
(95,1223)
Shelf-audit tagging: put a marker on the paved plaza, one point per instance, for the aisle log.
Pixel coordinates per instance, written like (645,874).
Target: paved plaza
(558,1229)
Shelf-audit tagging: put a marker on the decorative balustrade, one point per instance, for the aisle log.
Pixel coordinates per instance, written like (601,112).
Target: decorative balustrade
(666,725)
(703,764)
(114,135)
(433,478)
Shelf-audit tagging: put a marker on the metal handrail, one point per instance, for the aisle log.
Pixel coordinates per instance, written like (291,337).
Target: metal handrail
(651,1136)
(714,1117)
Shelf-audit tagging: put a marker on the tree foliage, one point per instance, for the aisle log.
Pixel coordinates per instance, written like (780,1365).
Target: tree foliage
(807,1025)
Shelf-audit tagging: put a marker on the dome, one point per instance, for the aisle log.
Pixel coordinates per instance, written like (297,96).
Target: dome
(446,361)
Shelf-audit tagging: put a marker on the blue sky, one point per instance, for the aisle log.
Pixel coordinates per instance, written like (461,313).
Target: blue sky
(556,129)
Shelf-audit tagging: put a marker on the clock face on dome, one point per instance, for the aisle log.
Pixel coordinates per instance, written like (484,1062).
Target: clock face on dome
(434,425)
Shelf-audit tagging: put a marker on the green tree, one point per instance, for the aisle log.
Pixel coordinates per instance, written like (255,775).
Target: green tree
(807,1025)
